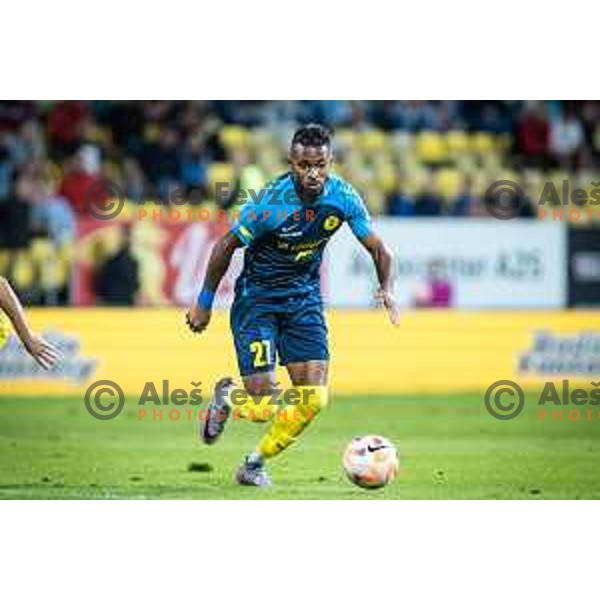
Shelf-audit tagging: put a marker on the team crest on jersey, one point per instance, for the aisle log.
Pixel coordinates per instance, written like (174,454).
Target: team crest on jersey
(331,222)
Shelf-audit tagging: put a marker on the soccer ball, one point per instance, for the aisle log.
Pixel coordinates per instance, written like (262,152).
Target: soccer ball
(370,461)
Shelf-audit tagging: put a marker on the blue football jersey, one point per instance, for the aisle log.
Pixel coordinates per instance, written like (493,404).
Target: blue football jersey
(285,237)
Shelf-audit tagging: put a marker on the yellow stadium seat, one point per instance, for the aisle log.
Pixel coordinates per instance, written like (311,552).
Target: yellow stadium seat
(431,147)
(386,176)
(493,160)
(234,136)
(219,173)
(414,176)
(449,182)
(466,163)
(66,252)
(457,142)
(371,140)
(50,275)
(23,272)
(483,143)
(375,201)
(41,250)
(481,181)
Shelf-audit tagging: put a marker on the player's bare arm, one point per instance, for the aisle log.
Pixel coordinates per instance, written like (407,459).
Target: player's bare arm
(383,260)
(198,316)
(41,350)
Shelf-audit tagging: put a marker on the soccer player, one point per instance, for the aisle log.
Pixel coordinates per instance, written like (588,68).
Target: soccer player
(277,309)
(41,350)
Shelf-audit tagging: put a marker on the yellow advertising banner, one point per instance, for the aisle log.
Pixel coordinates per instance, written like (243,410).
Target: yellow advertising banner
(431,351)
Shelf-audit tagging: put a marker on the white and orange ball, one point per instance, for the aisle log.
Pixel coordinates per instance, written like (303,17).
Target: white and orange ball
(370,461)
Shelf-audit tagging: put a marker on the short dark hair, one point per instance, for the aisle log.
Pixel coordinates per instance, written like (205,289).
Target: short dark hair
(312,135)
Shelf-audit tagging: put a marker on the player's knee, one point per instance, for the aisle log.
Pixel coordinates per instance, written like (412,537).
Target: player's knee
(258,386)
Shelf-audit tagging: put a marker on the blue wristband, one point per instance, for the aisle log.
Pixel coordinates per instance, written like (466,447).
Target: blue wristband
(206,299)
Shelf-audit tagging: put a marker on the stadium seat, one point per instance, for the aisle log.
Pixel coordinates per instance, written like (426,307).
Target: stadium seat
(23,271)
(235,137)
(41,250)
(385,175)
(219,173)
(431,147)
(371,141)
(483,143)
(54,274)
(457,143)
(449,182)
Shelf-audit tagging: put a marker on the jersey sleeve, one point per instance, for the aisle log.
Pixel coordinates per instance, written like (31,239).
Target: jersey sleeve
(251,223)
(357,216)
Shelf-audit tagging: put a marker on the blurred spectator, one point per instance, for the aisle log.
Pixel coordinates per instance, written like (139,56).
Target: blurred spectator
(6,167)
(494,118)
(117,278)
(590,119)
(149,147)
(16,236)
(51,214)
(15,112)
(134,184)
(160,160)
(399,203)
(15,215)
(533,135)
(126,122)
(28,145)
(566,138)
(65,126)
(193,165)
(335,113)
(437,292)
(429,201)
(83,171)
(415,115)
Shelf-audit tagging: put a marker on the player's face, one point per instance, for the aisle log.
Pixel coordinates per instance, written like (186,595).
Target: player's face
(311,167)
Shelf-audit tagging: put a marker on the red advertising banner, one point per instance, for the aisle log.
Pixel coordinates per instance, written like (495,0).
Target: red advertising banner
(171,258)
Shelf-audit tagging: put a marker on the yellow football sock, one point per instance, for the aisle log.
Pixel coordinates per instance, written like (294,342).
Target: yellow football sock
(292,419)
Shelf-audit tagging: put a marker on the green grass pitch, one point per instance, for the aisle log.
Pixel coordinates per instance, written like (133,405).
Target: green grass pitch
(449,446)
